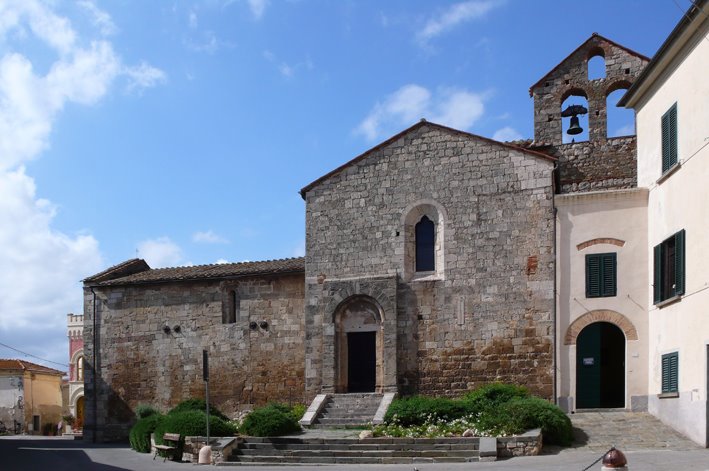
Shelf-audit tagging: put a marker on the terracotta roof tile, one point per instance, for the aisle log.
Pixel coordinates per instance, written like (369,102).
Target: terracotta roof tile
(23,365)
(206,272)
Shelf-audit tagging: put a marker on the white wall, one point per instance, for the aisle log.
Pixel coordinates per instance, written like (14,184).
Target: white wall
(582,217)
(681,201)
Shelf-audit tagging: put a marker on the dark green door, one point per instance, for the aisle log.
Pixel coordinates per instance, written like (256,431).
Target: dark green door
(600,367)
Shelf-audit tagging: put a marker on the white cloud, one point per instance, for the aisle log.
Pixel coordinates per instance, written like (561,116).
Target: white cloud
(221,261)
(285,69)
(99,18)
(448,106)
(143,76)
(258,7)
(192,19)
(208,237)
(161,252)
(507,134)
(41,266)
(41,269)
(455,15)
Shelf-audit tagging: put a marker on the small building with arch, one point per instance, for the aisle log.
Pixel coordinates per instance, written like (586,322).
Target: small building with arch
(75,332)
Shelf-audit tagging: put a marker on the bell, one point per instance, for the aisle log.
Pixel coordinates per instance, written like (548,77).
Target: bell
(574,128)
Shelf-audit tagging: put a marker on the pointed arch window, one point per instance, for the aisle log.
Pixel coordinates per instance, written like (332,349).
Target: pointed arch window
(425,245)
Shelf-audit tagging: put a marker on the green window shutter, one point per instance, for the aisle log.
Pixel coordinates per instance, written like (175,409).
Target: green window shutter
(673,134)
(665,142)
(669,138)
(608,274)
(593,276)
(670,372)
(657,274)
(679,262)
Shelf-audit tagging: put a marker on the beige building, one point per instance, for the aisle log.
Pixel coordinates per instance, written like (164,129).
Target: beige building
(30,396)
(672,117)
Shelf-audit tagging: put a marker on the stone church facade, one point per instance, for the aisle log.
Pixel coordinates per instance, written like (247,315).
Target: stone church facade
(432,267)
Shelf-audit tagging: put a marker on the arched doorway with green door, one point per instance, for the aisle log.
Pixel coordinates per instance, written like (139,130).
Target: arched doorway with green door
(600,367)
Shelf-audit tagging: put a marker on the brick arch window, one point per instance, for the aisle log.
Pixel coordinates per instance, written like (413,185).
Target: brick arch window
(424,236)
(596,64)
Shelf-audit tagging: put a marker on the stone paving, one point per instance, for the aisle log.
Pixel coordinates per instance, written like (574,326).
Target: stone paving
(627,431)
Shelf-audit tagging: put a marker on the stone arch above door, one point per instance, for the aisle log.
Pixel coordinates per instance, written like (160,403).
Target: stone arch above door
(375,295)
(600,315)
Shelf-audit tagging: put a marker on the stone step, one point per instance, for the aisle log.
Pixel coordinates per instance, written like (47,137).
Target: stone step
(293,450)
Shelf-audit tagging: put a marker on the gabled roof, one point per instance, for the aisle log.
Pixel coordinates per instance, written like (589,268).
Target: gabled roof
(591,38)
(413,128)
(134,265)
(681,33)
(205,272)
(22,365)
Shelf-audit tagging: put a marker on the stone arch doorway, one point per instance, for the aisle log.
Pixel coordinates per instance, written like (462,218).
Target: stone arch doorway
(600,366)
(359,345)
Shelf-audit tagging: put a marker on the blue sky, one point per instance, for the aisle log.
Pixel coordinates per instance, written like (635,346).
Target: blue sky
(181,131)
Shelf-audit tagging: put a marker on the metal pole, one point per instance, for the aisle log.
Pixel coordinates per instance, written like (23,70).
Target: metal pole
(205,376)
(206,388)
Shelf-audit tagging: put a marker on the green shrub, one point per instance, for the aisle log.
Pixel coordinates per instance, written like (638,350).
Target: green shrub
(298,411)
(191,423)
(521,414)
(492,396)
(139,436)
(270,421)
(144,410)
(416,410)
(197,404)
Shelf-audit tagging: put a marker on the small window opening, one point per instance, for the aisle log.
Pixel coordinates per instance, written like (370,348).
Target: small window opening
(627,71)
(425,245)
(620,121)
(231,308)
(80,369)
(596,67)
(575,98)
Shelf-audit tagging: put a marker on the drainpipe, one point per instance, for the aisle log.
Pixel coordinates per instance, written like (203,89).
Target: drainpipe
(94,363)
(553,318)
(554,249)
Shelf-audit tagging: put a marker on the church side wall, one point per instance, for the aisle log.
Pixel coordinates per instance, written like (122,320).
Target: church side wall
(487,316)
(139,363)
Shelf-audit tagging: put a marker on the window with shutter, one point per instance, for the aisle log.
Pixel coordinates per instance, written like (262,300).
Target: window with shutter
(669,268)
(669,138)
(670,372)
(601,275)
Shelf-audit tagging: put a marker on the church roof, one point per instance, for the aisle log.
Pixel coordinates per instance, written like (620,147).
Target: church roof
(22,365)
(593,37)
(415,127)
(200,272)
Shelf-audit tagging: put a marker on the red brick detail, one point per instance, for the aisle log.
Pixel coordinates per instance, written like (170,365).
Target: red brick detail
(600,315)
(600,240)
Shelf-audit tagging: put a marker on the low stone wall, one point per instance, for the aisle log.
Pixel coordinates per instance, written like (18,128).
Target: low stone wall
(527,444)
(222,447)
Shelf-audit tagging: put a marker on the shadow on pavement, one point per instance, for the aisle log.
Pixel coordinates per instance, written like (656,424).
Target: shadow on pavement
(43,454)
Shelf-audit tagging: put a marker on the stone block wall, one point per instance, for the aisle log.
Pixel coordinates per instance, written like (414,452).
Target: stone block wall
(487,314)
(137,362)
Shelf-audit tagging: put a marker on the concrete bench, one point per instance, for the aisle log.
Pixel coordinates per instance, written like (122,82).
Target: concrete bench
(171,441)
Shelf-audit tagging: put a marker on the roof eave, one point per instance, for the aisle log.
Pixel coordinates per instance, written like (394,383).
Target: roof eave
(679,36)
